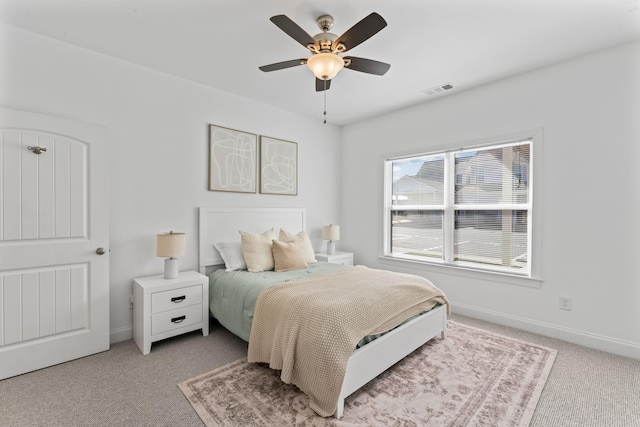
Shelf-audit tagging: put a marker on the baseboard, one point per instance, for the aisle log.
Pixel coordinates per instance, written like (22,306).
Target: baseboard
(586,339)
(121,334)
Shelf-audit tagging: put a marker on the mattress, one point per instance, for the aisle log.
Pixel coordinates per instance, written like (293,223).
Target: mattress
(232,295)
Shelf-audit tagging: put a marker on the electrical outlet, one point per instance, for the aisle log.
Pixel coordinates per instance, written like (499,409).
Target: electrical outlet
(565,303)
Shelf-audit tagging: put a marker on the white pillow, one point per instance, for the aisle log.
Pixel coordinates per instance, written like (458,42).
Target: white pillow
(231,253)
(256,249)
(303,243)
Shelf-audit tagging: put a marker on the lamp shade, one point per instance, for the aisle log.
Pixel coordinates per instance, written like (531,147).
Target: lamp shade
(325,65)
(171,245)
(331,232)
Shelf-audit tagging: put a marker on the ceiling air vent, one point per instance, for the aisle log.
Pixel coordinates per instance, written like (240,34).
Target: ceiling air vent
(438,89)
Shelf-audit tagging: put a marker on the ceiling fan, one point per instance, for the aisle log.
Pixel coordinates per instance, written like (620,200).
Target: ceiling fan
(325,61)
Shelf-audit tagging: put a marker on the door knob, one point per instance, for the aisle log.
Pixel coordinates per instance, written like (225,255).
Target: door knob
(100,251)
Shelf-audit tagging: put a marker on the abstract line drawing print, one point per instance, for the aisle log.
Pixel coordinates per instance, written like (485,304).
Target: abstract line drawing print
(232,160)
(278,166)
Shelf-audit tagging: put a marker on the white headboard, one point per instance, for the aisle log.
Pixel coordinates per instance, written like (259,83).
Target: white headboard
(222,224)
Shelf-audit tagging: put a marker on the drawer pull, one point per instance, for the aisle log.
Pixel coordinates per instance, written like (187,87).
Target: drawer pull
(178,299)
(178,319)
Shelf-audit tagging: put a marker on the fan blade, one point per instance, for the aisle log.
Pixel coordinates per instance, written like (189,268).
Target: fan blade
(360,32)
(293,30)
(283,64)
(320,85)
(366,65)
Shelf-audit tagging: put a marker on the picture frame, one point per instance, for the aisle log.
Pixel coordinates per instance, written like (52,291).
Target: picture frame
(278,166)
(232,160)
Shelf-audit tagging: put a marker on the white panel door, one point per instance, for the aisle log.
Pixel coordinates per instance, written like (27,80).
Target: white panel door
(54,236)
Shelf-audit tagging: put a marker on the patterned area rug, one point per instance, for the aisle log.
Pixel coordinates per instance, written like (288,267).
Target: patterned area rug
(472,378)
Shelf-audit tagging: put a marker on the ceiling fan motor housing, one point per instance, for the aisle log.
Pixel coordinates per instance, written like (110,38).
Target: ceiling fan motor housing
(325,41)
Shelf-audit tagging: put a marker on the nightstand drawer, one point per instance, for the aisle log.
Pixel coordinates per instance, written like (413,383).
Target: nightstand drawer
(176,298)
(174,319)
(348,260)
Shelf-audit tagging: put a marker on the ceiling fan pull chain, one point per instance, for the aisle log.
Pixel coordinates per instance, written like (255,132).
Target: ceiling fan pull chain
(325,101)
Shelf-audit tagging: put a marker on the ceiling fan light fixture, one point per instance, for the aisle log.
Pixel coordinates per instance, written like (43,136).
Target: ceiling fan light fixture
(325,66)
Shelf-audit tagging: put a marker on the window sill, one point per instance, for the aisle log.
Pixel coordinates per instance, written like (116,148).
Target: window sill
(492,276)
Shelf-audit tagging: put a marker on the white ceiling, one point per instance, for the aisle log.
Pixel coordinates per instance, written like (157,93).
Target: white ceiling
(221,43)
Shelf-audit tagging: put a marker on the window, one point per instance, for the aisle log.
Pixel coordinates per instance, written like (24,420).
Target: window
(470,208)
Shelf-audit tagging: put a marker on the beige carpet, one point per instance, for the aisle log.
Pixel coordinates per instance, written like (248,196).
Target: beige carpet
(473,378)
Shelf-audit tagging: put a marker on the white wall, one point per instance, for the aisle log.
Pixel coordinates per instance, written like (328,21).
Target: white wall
(157,127)
(589,110)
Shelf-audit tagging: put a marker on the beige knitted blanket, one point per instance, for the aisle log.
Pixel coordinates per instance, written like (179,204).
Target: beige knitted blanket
(308,328)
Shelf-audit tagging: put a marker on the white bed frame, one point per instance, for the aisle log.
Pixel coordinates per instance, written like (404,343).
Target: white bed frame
(365,363)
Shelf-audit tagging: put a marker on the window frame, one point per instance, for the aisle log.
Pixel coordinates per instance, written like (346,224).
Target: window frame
(531,277)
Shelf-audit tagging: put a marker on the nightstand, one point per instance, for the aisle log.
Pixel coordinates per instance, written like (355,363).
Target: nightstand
(344,258)
(164,308)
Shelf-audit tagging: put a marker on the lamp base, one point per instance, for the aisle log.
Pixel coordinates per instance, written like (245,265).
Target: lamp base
(331,247)
(170,268)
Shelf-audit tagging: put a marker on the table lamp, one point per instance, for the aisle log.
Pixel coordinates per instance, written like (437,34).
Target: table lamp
(170,246)
(331,233)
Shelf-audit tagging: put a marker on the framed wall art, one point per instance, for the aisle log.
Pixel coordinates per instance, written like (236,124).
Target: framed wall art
(232,160)
(278,166)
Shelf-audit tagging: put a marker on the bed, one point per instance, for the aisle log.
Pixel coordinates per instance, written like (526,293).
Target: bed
(366,361)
